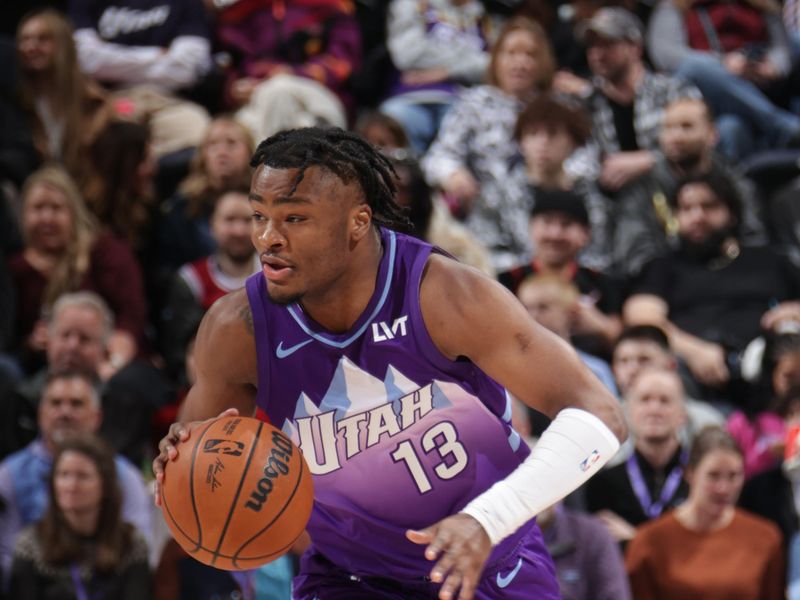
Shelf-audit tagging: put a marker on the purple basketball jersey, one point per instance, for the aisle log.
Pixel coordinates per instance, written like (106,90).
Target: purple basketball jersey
(396,435)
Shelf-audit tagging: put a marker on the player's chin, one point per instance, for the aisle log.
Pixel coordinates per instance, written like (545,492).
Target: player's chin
(282,296)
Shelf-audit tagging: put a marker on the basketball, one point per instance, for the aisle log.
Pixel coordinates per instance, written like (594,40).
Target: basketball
(238,495)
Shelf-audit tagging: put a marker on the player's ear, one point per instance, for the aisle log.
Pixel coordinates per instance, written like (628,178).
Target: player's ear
(360,221)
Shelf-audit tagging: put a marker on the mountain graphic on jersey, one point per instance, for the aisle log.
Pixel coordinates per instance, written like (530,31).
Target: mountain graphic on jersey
(352,391)
(434,440)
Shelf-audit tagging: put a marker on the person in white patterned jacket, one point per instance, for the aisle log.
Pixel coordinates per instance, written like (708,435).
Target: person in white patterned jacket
(474,151)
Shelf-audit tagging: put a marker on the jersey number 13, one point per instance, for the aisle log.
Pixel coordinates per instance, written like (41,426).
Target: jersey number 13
(443,438)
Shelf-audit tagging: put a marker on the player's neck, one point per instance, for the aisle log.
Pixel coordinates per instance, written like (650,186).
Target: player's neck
(339,306)
(658,451)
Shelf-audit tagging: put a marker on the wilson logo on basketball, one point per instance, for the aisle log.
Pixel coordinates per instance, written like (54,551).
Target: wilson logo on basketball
(277,465)
(228,447)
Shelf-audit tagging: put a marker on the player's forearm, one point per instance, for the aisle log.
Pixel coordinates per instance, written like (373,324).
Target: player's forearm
(572,385)
(572,449)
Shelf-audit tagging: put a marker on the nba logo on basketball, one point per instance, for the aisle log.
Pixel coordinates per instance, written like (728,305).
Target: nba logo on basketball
(229,447)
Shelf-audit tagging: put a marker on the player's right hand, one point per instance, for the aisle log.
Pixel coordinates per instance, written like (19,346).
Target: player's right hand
(167,447)
(460,545)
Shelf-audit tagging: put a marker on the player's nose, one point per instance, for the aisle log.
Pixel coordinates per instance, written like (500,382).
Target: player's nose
(271,236)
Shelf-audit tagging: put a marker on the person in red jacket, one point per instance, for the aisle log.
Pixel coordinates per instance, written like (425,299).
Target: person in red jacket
(200,283)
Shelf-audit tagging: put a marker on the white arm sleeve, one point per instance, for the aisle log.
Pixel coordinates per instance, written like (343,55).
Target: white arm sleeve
(572,449)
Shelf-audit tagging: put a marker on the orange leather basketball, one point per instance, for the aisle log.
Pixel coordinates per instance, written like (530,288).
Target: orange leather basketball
(238,495)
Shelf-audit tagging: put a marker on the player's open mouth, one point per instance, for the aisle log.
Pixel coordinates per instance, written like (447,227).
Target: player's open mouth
(275,269)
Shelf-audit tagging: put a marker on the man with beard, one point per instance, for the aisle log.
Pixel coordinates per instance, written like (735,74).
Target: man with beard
(712,295)
(625,99)
(646,226)
(70,405)
(200,283)
(650,481)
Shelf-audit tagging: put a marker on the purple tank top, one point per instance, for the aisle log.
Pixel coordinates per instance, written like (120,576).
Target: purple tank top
(396,435)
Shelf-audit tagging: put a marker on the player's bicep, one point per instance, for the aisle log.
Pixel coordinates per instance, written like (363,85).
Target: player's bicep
(470,315)
(532,363)
(225,362)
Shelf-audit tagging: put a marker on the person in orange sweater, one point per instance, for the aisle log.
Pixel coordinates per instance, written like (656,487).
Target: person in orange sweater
(707,548)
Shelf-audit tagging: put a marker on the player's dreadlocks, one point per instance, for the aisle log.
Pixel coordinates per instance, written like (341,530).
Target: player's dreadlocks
(344,154)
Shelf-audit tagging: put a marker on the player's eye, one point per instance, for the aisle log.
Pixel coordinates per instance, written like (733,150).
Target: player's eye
(257,218)
(295,219)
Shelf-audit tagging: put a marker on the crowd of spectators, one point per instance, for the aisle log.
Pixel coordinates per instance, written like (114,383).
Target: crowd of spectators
(627,168)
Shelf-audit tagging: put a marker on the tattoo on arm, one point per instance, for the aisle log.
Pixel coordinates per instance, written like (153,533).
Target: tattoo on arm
(523,341)
(246,313)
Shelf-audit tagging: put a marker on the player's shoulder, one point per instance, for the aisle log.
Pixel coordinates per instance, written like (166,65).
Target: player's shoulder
(442,269)
(226,340)
(453,292)
(449,281)
(231,307)
(230,315)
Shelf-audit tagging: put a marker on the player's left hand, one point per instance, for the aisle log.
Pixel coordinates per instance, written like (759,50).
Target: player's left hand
(461,546)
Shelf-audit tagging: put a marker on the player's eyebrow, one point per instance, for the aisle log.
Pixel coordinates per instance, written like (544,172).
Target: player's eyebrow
(292,200)
(281,199)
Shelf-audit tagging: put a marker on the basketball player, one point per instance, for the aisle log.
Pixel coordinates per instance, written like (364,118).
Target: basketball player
(391,366)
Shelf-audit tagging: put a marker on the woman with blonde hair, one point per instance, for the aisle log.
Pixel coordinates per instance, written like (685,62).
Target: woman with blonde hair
(65,250)
(472,154)
(66,110)
(221,163)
